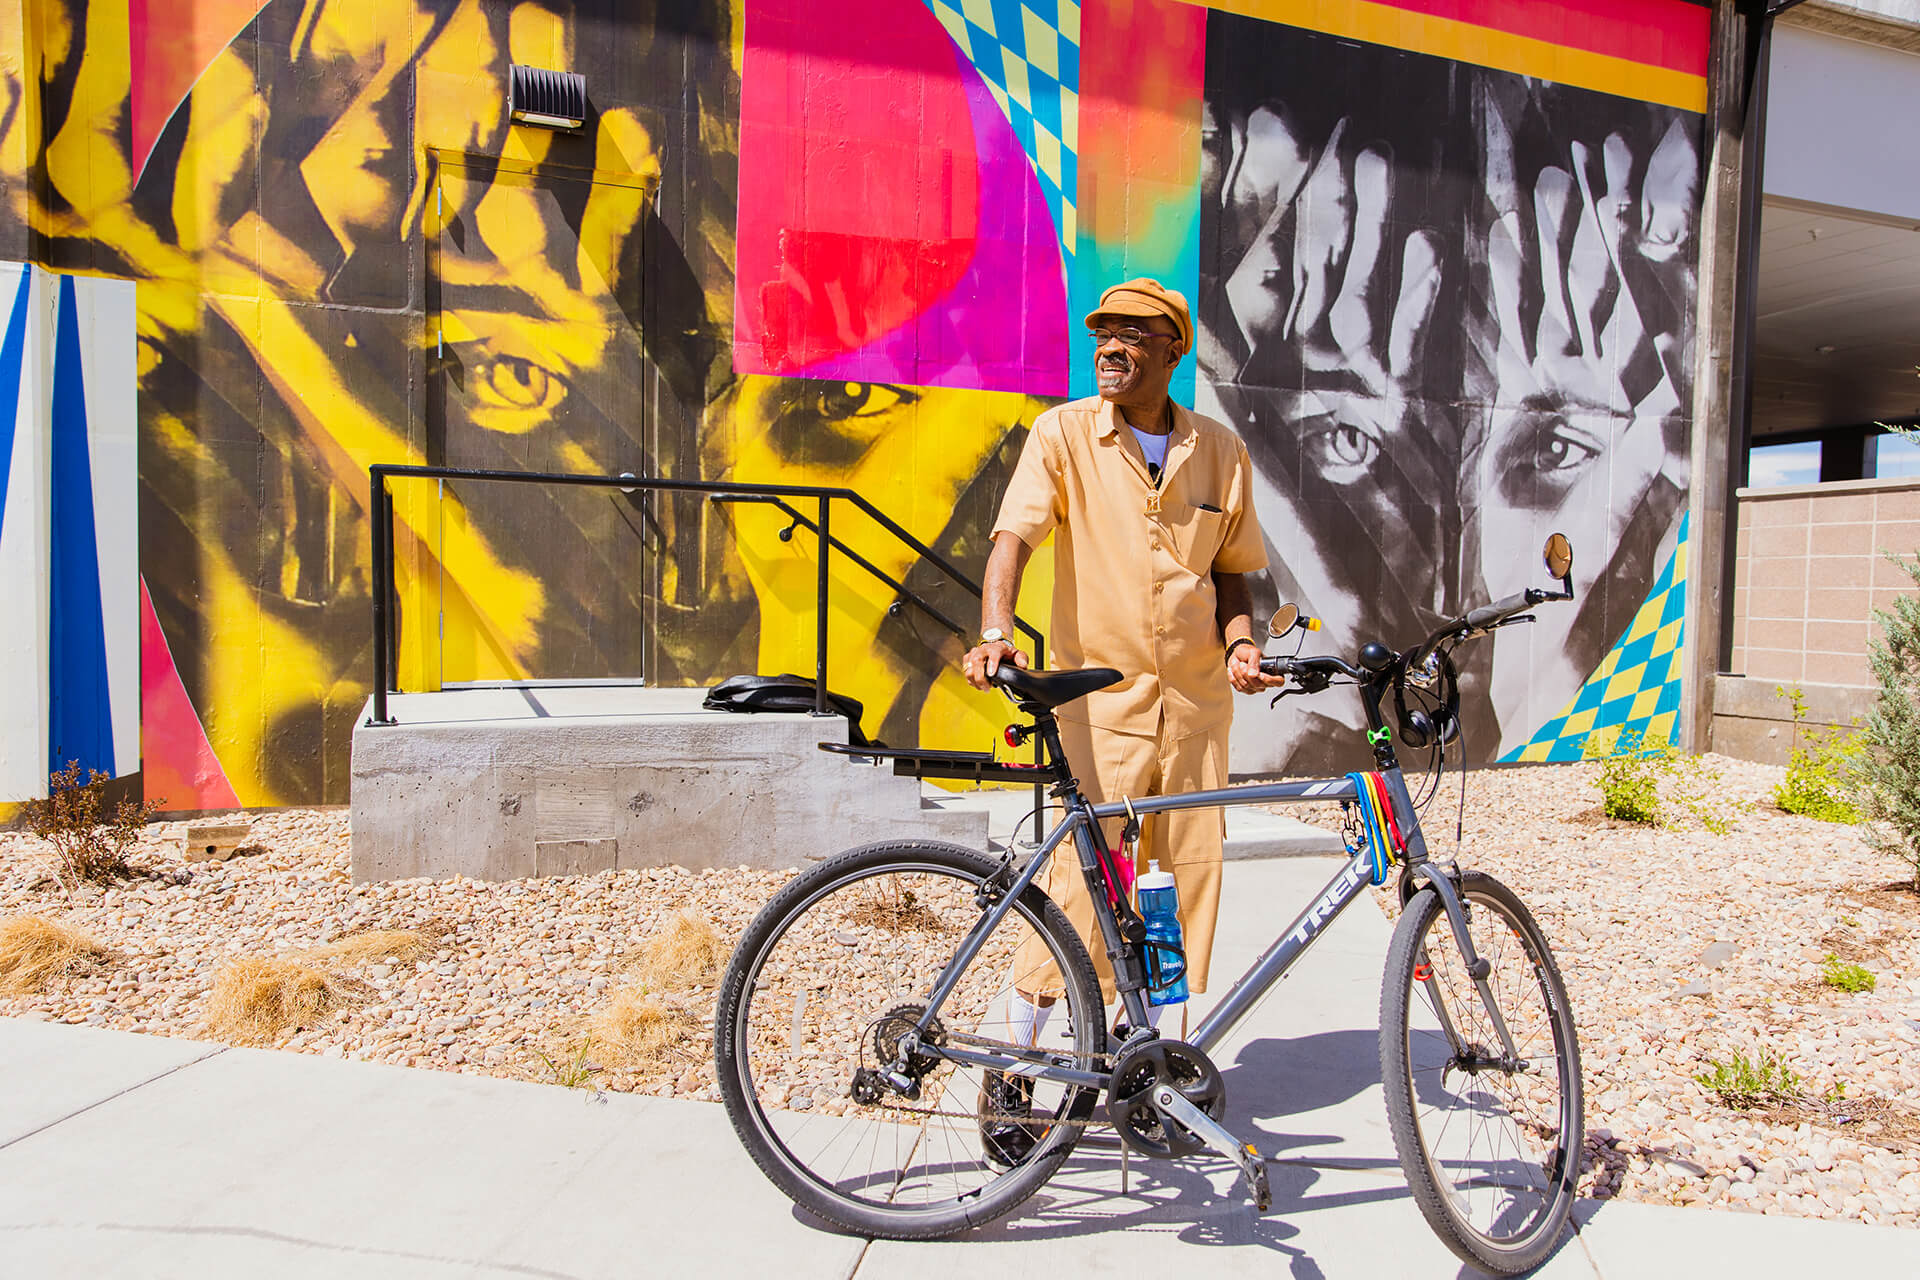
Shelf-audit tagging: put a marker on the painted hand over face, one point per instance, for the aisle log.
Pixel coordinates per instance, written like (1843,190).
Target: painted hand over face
(1333,305)
(1584,433)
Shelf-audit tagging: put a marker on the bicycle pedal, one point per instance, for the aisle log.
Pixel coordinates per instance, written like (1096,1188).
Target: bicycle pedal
(1256,1175)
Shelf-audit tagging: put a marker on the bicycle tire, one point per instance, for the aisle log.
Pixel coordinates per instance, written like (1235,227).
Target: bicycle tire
(954,1186)
(1491,1155)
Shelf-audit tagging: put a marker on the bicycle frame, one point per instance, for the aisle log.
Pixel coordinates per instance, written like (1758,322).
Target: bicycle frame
(1081,824)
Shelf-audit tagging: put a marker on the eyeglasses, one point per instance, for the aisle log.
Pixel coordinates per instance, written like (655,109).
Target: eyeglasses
(1129,337)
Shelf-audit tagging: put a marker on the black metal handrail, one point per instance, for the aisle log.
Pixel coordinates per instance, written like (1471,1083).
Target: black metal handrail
(385,639)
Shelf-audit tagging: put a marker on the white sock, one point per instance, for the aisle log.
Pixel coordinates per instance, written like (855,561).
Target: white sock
(1026,1020)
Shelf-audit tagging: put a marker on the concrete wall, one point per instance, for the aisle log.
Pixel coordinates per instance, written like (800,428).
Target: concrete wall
(1808,573)
(1840,123)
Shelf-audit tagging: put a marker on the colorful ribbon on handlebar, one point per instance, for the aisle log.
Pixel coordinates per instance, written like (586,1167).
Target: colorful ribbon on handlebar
(1379,830)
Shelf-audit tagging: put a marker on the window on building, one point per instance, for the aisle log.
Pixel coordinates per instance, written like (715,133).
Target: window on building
(1897,455)
(1769,465)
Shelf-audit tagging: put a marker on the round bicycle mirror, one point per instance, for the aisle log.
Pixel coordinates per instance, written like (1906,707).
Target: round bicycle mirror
(1283,620)
(1558,554)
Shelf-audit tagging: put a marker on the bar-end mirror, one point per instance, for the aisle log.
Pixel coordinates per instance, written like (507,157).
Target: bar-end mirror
(1287,617)
(1558,554)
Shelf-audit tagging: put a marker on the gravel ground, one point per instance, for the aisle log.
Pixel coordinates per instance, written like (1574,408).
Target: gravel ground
(1679,947)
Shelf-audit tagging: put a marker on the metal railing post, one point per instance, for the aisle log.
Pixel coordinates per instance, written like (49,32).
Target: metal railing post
(820,615)
(381,533)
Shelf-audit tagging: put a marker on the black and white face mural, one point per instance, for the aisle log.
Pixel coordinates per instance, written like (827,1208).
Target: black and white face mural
(1451,310)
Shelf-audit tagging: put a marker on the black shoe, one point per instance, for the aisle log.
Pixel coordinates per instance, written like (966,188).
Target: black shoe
(1007,1133)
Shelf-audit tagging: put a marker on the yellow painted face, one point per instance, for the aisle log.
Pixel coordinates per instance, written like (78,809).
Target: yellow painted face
(933,459)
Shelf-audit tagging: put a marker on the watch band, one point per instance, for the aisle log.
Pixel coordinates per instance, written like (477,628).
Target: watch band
(1236,644)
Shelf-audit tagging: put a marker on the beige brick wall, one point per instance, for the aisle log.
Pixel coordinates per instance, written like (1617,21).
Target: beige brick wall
(1808,573)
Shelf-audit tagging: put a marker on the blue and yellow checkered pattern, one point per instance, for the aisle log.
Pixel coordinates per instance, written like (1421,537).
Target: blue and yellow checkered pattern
(1028,52)
(1636,687)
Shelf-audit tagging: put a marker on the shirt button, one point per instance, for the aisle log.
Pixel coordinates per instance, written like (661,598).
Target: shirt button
(1153,546)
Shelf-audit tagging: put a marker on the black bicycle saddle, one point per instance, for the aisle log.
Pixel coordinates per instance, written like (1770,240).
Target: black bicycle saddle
(1052,688)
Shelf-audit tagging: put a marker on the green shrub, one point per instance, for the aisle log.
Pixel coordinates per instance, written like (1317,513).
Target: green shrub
(1630,773)
(1886,777)
(1850,978)
(1653,783)
(1741,1082)
(1818,771)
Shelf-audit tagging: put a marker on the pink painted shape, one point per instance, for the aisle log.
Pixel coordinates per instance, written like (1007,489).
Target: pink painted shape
(1001,325)
(179,770)
(170,45)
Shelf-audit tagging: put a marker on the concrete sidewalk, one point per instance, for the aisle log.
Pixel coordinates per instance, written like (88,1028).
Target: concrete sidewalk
(126,1155)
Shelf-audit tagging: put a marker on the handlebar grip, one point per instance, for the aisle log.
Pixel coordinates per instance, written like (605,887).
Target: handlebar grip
(1278,665)
(1488,614)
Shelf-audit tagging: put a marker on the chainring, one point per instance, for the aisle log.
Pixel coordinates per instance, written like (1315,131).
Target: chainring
(1138,1071)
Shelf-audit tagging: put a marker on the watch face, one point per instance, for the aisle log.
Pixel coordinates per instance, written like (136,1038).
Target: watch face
(991,634)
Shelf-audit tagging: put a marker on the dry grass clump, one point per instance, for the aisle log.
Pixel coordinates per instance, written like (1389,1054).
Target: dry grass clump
(34,950)
(645,1029)
(401,946)
(257,999)
(688,952)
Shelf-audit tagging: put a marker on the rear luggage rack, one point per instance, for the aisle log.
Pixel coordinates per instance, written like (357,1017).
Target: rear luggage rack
(968,766)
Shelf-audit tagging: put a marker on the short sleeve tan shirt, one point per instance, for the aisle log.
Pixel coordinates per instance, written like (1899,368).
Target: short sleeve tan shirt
(1133,563)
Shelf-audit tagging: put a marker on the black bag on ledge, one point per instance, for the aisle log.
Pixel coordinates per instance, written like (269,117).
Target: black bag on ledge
(784,693)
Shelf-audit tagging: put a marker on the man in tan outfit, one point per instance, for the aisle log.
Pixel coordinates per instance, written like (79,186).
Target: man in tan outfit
(1151,509)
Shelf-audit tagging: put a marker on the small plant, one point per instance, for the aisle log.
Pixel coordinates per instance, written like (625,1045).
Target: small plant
(89,846)
(1850,978)
(258,999)
(1817,771)
(571,1072)
(1630,773)
(33,951)
(1651,782)
(1741,1082)
(1886,778)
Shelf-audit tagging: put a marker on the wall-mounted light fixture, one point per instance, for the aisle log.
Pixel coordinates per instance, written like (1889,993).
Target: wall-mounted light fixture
(549,99)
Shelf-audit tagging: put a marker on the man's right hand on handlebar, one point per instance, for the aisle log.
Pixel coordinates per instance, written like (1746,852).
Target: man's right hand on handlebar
(985,658)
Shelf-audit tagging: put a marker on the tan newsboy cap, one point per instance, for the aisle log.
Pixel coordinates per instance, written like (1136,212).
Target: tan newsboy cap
(1146,297)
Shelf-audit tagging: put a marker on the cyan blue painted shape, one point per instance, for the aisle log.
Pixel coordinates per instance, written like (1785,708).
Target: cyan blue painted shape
(80,716)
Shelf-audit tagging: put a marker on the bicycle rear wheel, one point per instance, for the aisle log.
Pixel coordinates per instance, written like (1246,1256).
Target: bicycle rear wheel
(1490,1143)
(822,984)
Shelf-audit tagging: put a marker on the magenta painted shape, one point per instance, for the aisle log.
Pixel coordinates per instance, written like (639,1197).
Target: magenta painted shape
(1003,325)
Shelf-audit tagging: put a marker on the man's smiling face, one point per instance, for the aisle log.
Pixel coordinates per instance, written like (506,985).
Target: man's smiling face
(1136,375)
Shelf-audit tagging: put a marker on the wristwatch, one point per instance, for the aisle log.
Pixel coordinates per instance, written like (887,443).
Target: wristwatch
(991,634)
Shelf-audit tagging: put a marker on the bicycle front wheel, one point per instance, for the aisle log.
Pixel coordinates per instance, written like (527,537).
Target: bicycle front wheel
(1488,1127)
(822,985)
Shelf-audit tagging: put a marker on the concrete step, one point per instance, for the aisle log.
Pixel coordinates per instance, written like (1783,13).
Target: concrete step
(1251,832)
(570,780)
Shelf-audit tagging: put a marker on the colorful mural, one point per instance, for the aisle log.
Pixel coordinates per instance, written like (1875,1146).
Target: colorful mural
(69,683)
(1441,253)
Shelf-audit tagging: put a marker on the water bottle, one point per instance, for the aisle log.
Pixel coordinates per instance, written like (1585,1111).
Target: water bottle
(1160,908)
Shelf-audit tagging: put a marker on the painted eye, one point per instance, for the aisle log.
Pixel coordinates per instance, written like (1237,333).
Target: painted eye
(841,401)
(835,423)
(1562,447)
(1342,452)
(511,382)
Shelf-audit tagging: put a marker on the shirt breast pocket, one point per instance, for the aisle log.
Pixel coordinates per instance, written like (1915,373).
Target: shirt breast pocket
(1197,530)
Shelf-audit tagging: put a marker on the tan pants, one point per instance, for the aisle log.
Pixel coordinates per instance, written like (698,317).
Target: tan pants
(1109,766)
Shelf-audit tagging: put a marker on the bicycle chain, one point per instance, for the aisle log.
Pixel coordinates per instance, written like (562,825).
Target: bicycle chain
(1102,1061)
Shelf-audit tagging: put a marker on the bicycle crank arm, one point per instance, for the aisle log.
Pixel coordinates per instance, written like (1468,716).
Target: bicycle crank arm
(1173,1106)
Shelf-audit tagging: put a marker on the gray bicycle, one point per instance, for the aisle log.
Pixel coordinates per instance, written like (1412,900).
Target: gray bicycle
(862,1039)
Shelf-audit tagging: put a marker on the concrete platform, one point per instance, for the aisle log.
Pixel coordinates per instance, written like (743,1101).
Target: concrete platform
(503,783)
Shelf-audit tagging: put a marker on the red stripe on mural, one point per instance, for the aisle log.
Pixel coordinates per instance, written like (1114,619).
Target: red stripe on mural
(1660,33)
